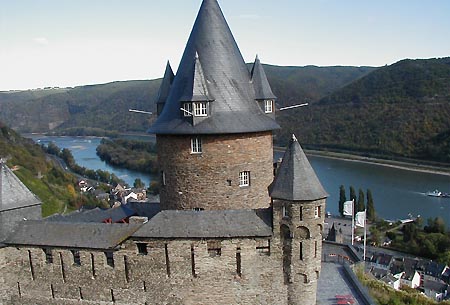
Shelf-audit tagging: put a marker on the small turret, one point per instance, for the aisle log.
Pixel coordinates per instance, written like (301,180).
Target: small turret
(164,89)
(298,200)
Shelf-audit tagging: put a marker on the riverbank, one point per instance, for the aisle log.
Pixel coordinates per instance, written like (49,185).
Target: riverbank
(414,165)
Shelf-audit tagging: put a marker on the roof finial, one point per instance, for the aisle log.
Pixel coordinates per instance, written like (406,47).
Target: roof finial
(294,138)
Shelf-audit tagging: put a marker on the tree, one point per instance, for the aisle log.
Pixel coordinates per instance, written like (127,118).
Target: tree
(342,199)
(361,205)
(138,183)
(352,194)
(370,207)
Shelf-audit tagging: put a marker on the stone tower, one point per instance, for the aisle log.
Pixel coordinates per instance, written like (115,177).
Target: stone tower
(214,131)
(298,216)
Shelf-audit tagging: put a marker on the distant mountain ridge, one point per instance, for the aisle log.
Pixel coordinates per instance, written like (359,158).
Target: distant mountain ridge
(399,110)
(106,106)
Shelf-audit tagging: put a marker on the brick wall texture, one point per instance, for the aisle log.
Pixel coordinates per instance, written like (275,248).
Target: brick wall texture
(210,180)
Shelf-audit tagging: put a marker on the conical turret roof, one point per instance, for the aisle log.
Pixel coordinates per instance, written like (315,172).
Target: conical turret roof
(260,82)
(295,179)
(166,83)
(13,193)
(233,107)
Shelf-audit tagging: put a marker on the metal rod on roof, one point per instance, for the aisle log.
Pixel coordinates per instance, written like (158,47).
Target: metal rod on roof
(188,112)
(294,106)
(139,111)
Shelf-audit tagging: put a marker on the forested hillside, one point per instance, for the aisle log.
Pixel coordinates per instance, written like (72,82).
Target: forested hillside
(399,110)
(106,106)
(48,181)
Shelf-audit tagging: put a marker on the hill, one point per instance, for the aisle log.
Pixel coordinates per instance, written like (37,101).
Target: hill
(401,110)
(53,186)
(106,106)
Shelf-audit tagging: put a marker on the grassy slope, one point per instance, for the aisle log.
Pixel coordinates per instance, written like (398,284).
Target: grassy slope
(52,188)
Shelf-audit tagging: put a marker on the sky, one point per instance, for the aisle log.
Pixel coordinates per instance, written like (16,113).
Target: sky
(65,43)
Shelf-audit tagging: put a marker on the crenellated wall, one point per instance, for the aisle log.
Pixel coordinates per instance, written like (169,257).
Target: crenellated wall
(244,271)
(210,180)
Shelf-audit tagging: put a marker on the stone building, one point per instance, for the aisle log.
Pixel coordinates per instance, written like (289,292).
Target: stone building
(226,231)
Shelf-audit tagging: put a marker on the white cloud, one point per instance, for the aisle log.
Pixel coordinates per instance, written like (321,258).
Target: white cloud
(41,41)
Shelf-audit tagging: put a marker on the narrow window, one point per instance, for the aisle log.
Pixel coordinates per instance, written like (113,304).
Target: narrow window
(317,212)
(76,257)
(187,109)
(244,178)
(142,248)
(301,213)
(214,248)
(268,106)
(109,259)
(193,261)
(92,265)
(196,145)
(301,250)
(238,261)
(284,211)
(166,252)
(315,249)
(48,255)
(199,108)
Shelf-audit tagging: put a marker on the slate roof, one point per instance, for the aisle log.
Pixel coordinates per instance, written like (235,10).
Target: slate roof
(204,224)
(96,215)
(295,179)
(166,83)
(70,235)
(260,82)
(224,79)
(13,193)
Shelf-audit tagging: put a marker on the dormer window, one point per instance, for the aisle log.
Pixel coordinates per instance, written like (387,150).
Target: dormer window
(200,109)
(187,109)
(268,106)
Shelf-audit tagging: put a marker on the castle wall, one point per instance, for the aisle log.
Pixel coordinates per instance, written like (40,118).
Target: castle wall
(172,272)
(210,180)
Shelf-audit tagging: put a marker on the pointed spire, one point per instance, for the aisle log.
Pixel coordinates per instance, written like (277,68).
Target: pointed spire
(196,90)
(13,193)
(296,179)
(222,76)
(260,82)
(164,89)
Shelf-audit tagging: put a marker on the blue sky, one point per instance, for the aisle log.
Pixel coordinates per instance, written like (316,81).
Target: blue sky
(68,43)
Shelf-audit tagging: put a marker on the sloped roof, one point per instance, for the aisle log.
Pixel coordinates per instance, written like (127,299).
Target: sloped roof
(70,235)
(260,82)
(13,193)
(204,224)
(96,215)
(227,80)
(296,179)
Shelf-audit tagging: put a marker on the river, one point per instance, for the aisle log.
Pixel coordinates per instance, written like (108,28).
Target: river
(396,192)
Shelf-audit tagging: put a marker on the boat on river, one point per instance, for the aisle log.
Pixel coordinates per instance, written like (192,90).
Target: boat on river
(437,193)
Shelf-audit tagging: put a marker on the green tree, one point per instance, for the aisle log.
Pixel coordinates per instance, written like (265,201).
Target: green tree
(361,205)
(352,194)
(342,199)
(370,207)
(138,183)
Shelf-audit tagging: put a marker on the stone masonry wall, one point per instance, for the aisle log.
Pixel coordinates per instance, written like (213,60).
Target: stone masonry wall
(173,272)
(305,228)
(210,180)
